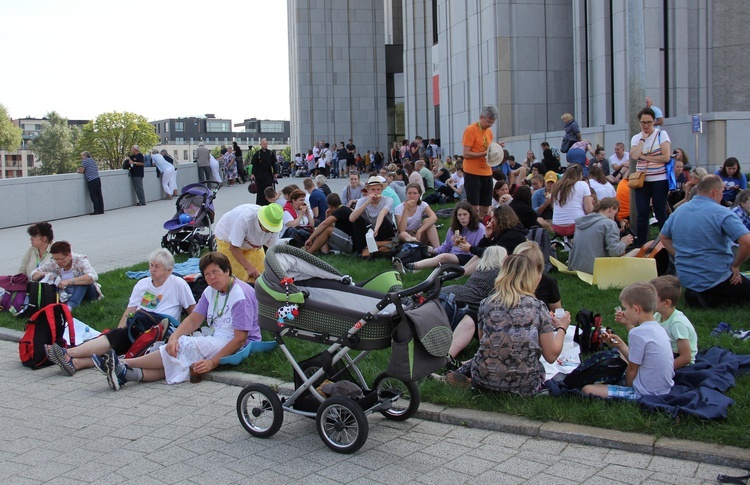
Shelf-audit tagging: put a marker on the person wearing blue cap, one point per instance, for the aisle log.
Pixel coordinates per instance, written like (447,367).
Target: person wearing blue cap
(242,233)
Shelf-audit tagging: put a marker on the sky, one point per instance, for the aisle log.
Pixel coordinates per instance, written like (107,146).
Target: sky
(157,58)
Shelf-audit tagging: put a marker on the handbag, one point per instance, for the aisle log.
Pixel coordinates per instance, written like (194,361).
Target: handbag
(566,144)
(636,180)
(252,187)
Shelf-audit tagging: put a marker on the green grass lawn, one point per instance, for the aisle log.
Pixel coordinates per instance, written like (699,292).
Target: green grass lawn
(575,295)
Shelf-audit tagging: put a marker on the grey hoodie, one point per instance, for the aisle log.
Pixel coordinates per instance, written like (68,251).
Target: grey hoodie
(596,236)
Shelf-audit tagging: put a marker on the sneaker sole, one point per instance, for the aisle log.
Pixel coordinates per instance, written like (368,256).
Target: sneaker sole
(65,365)
(111,368)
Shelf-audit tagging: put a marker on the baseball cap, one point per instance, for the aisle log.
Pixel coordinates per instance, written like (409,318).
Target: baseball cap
(550,177)
(271,216)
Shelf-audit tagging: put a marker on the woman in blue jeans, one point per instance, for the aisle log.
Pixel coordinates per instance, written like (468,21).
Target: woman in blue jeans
(77,278)
(651,148)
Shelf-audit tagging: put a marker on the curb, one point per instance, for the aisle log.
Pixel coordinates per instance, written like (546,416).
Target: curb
(712,453)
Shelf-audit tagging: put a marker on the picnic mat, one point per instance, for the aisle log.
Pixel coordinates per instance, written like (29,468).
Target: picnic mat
(698,389)
(180,269)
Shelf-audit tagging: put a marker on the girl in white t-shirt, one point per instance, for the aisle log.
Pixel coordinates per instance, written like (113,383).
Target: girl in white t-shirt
(571,197)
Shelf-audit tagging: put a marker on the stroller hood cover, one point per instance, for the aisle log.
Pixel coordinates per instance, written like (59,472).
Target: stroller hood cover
(286,261)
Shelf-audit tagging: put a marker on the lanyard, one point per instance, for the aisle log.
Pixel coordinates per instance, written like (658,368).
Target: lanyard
(224,306)
(39,260)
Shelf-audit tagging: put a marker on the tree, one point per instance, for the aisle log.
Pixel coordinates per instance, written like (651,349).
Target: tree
(55,146)
(10,134)
(111,135)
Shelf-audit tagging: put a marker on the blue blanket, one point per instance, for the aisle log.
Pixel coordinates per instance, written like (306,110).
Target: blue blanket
(698,389)
(181,269)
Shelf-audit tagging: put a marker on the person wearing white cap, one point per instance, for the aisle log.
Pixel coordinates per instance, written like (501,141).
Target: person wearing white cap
(373,211)
(242,233)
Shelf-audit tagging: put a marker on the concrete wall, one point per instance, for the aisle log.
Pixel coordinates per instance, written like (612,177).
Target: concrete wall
(48,197)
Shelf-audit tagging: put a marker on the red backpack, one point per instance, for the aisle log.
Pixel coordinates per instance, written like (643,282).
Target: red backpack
(45,327)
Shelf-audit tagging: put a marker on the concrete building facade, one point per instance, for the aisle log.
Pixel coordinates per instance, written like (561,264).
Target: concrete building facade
(533,59)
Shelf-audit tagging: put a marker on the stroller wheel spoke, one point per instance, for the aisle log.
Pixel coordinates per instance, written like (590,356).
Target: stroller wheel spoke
(407,402)
(259,410)
(342,425)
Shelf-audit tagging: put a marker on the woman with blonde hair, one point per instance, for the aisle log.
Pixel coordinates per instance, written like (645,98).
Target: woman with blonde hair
(515,330)
(547,290)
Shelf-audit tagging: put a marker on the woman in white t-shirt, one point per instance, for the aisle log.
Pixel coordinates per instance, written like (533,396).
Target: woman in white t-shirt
(651,148)
(571,197)
(230,309)
(161,293)
(598,183)
(415,219)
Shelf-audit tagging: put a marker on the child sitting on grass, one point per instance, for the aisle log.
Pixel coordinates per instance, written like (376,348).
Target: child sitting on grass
(270,194)
(650,362)
(679,329)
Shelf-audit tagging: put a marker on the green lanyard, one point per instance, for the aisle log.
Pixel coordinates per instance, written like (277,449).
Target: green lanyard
(38,260)
(216,300)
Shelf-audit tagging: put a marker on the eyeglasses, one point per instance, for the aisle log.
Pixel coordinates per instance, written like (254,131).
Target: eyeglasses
(646,123)
(61,259)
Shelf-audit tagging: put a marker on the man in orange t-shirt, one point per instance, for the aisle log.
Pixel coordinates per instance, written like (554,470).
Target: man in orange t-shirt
(477,174)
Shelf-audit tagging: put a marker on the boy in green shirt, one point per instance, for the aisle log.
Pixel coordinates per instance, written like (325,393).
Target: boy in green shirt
(681,332)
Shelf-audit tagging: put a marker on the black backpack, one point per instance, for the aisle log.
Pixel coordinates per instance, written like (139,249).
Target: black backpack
(45,327)
(541,237)
(40,295)
(604,367)
(587,334)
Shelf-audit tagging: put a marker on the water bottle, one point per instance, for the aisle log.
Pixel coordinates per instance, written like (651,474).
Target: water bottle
(87,334)
(372,246)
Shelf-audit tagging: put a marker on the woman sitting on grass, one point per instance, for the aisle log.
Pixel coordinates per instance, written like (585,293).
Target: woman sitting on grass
(41,236)
(162,293)
(515,329)
(597,236)
(464,233)
(415,219)
(546,291)
(571,197)
(229,307)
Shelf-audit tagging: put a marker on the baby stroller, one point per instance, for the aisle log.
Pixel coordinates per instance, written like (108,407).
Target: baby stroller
(190,229)
(300,296)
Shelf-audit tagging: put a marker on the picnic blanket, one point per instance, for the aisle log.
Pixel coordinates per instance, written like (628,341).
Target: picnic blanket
(180,269)
(698,389)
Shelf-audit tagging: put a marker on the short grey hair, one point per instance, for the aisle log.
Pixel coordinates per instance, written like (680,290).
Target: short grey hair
(489,112)
(164,151)
(86,154)
(492,258)
(320,180)
(155,151)
(200,144)
(163,257)
(136,147)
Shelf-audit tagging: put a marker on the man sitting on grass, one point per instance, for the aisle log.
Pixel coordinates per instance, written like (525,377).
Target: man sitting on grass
(649,356)
(335,232)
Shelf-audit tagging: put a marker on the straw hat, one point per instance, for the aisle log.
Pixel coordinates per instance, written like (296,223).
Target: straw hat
(494,154)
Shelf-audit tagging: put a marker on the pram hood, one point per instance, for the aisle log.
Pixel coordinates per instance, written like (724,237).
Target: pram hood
(284,261)
(196,200)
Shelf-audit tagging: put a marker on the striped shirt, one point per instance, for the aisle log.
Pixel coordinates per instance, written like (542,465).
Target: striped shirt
(90,170)
(652,146)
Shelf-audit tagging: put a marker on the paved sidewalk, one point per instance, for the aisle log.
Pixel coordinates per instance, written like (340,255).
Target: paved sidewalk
(77,430)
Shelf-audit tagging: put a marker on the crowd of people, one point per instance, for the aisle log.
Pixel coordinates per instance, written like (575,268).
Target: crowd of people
(508,302)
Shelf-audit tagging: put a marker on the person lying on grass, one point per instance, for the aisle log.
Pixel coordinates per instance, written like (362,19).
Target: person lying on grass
(650,363)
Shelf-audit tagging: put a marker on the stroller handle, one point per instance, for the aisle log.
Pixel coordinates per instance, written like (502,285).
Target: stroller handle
(434,282)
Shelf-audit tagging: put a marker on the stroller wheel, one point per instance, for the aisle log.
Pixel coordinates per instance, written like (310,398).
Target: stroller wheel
(165,243)
(212,244)
(195,249)
(407,403)
(259,410)
(342,424)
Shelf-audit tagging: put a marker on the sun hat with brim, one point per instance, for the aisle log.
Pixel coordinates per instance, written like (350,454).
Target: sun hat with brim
(550,177)
(375,180)
(494,154)
(271,217)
